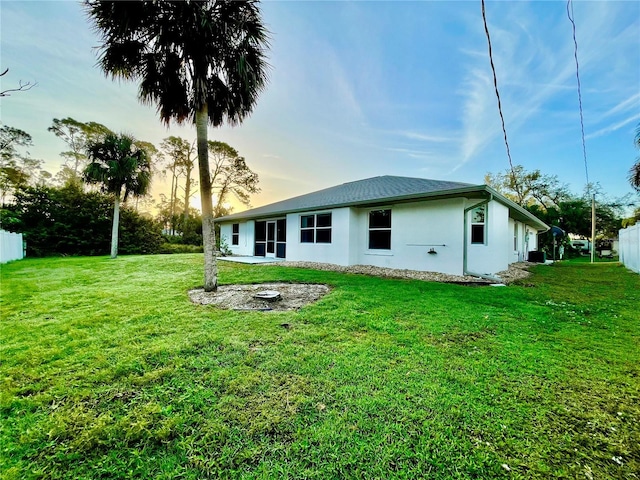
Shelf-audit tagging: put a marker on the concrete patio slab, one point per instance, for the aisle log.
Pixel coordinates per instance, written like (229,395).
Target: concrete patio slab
(250,260)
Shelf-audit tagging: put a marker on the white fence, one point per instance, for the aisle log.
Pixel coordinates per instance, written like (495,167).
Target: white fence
(630,247)
(10,246)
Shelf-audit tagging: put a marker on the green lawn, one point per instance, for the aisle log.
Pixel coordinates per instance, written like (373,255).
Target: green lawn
(108,371)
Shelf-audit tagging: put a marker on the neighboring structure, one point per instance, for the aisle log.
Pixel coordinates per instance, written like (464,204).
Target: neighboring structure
(396,222)
(630,247)
(11,246)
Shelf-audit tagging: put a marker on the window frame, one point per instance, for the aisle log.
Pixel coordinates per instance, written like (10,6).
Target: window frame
(235,234)
(478,224)
(313,223)
(379,229)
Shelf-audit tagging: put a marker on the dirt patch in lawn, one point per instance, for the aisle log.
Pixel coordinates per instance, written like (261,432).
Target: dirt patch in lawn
(241,297)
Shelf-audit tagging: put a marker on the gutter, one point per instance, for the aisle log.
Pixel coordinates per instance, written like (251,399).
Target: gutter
(465,247)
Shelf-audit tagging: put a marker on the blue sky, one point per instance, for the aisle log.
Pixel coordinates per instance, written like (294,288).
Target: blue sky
(366,88)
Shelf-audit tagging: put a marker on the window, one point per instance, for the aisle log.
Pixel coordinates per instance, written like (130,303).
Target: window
(515,236)
(380,230)
(307,228)
(281,238)
(315,228)
(478,216)
(261,239)
(235,234)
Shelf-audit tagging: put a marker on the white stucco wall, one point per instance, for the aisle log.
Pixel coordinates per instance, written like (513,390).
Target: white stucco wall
(532,237)
(245,240)
(494,255)
(416,228)
(527,240)
(337,252)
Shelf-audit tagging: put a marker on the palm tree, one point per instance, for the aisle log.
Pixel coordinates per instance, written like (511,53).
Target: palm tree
(198,61)
(116,162)
(634,172)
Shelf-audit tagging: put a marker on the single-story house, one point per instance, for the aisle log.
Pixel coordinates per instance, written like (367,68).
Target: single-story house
(388,221)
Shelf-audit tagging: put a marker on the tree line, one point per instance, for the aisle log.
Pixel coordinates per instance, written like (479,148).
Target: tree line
(201,62)
(546,197)
(98,164)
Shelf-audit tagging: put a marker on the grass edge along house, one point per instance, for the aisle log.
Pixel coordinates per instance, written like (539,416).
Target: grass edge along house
(394,222)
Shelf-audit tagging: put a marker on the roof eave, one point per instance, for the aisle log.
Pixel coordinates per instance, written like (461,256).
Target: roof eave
(441,194)
(517,212)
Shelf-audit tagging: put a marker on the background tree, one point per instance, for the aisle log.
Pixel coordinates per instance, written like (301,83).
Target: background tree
(77,136)
(153,156)
(199,61)
(117,164)
(551,201)
(230,175)
(634,172)
(180,162)
(22,86)
(17,168)
(528,188)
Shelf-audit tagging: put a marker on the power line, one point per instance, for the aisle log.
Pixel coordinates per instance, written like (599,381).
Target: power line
(495,85)
(584,145)
(575,54)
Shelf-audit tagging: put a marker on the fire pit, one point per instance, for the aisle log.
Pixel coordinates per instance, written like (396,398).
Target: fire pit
(249,297)
(268,295)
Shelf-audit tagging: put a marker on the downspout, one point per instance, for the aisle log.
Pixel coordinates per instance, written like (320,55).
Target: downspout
(465,248)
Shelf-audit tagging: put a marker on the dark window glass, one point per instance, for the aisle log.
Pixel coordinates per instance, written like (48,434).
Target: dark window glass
(306,236)
(282,231)
(307,221)
(315,228)
(323,220)
(261,231)
(323,235)
(235,239)
(380,239)
(260,250)
(235,228)
(281,249)
(380,219)
(477,233)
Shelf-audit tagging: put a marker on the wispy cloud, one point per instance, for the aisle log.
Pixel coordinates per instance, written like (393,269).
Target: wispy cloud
(533,71)
(479,115)
(425,137)
(631,103)
(614,127)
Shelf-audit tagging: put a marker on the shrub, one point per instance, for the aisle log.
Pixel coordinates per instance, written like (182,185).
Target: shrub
(69,221)
(180,248)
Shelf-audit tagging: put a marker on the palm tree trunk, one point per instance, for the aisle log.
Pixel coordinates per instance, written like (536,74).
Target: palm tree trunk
(114,229)
(208,231)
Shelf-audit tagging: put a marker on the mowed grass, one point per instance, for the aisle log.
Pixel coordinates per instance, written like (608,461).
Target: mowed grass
(108,371)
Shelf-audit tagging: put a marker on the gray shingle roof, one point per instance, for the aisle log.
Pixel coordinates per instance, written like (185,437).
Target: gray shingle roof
(361,192)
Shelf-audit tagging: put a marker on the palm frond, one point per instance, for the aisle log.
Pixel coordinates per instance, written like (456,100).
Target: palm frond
(634,176)
(186,54)
(117,162)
